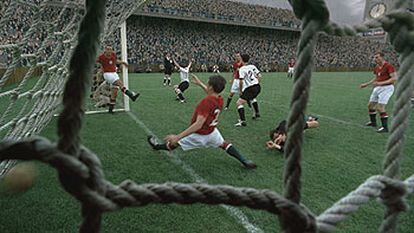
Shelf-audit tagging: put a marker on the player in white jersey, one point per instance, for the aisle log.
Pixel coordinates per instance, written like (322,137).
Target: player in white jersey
(185,83)
(291,68)
(216,69)
(249,88)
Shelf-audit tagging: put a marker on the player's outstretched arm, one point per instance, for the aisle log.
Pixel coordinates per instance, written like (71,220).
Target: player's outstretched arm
(190,64)
(367,83)
(173,139)
(176,64)
(198,82)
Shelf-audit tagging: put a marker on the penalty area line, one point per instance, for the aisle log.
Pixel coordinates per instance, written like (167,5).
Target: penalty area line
(236,213)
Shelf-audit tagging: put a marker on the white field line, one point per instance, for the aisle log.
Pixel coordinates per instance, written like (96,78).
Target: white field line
(236,213)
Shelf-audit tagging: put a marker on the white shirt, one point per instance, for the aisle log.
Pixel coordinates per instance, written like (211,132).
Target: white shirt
(248,74)
(184,74)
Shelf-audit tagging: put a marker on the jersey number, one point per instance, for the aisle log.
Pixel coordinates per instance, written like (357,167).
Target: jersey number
(215,121)
(250,74)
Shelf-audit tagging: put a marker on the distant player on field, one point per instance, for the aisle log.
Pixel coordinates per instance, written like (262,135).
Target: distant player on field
(383,83)
(235,82)
(216,69)
(249,88)
(291,68)
(108,60)
(203,130)
(185,83)
(168,69)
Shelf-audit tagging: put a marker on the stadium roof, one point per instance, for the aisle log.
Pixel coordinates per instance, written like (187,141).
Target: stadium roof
(343,12)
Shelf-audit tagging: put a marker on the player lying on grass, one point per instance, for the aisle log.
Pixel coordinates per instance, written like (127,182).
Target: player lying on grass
(278,136)
(203,130)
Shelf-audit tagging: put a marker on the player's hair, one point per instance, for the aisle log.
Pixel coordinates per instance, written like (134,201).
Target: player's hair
(380,53)
(217,82)
(245,57)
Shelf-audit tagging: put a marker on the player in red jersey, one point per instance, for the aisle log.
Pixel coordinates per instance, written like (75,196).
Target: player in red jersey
(108,60)
(383,83)
(235,81)
(291,67)
(203,130)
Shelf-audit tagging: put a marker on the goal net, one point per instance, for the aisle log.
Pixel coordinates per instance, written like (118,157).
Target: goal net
(37,38)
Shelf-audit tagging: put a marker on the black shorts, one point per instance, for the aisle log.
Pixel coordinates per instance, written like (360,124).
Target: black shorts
(251,92)
(168,71)
(183,86)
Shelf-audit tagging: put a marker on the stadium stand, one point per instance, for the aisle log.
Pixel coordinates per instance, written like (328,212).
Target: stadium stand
(212,43)
(149,38)
(225,11)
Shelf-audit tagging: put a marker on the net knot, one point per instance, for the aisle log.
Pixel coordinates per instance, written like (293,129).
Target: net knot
(291,223)
(313,9)
(393,195)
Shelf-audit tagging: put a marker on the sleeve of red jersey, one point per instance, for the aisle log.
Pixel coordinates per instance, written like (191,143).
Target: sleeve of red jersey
(391,69)
(204,108)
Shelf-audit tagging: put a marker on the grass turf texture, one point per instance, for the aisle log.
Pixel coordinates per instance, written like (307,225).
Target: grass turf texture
(338,157)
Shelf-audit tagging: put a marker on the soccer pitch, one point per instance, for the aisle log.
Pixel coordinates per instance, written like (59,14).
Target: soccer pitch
(337,157)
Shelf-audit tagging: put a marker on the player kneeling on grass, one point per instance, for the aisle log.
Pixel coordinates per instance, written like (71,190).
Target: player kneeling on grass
(278,136)
(203,130)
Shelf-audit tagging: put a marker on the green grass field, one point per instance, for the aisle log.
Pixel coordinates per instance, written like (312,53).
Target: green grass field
(338,157)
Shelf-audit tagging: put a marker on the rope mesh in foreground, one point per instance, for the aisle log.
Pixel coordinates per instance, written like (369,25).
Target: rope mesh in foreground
(80,170)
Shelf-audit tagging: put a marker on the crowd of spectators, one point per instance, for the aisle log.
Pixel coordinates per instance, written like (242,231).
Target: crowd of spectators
(210,44)
(224,10)
(149,38)
(23,18)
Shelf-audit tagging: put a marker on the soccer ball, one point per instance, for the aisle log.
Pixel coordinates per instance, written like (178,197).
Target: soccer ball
(20,178)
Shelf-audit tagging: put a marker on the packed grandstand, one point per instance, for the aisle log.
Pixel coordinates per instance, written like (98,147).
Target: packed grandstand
(210,34)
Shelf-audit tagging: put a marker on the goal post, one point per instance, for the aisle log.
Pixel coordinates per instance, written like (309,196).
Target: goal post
(124,56)
(124,75)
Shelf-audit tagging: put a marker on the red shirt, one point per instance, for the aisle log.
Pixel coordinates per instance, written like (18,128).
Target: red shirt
(236,67)
(108,63)
(291,64)
(383,72)
(209,107)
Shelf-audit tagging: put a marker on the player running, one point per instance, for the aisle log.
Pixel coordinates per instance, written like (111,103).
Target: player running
(291,68)
(203,130)
(383,83)
(168,69)
(249,88)
(108,60)
(185,83)
(235,83)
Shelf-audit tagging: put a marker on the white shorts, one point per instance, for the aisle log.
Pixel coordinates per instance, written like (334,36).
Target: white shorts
(291,69)
(235,86)
(382,94)
(111,77)
(194,141)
